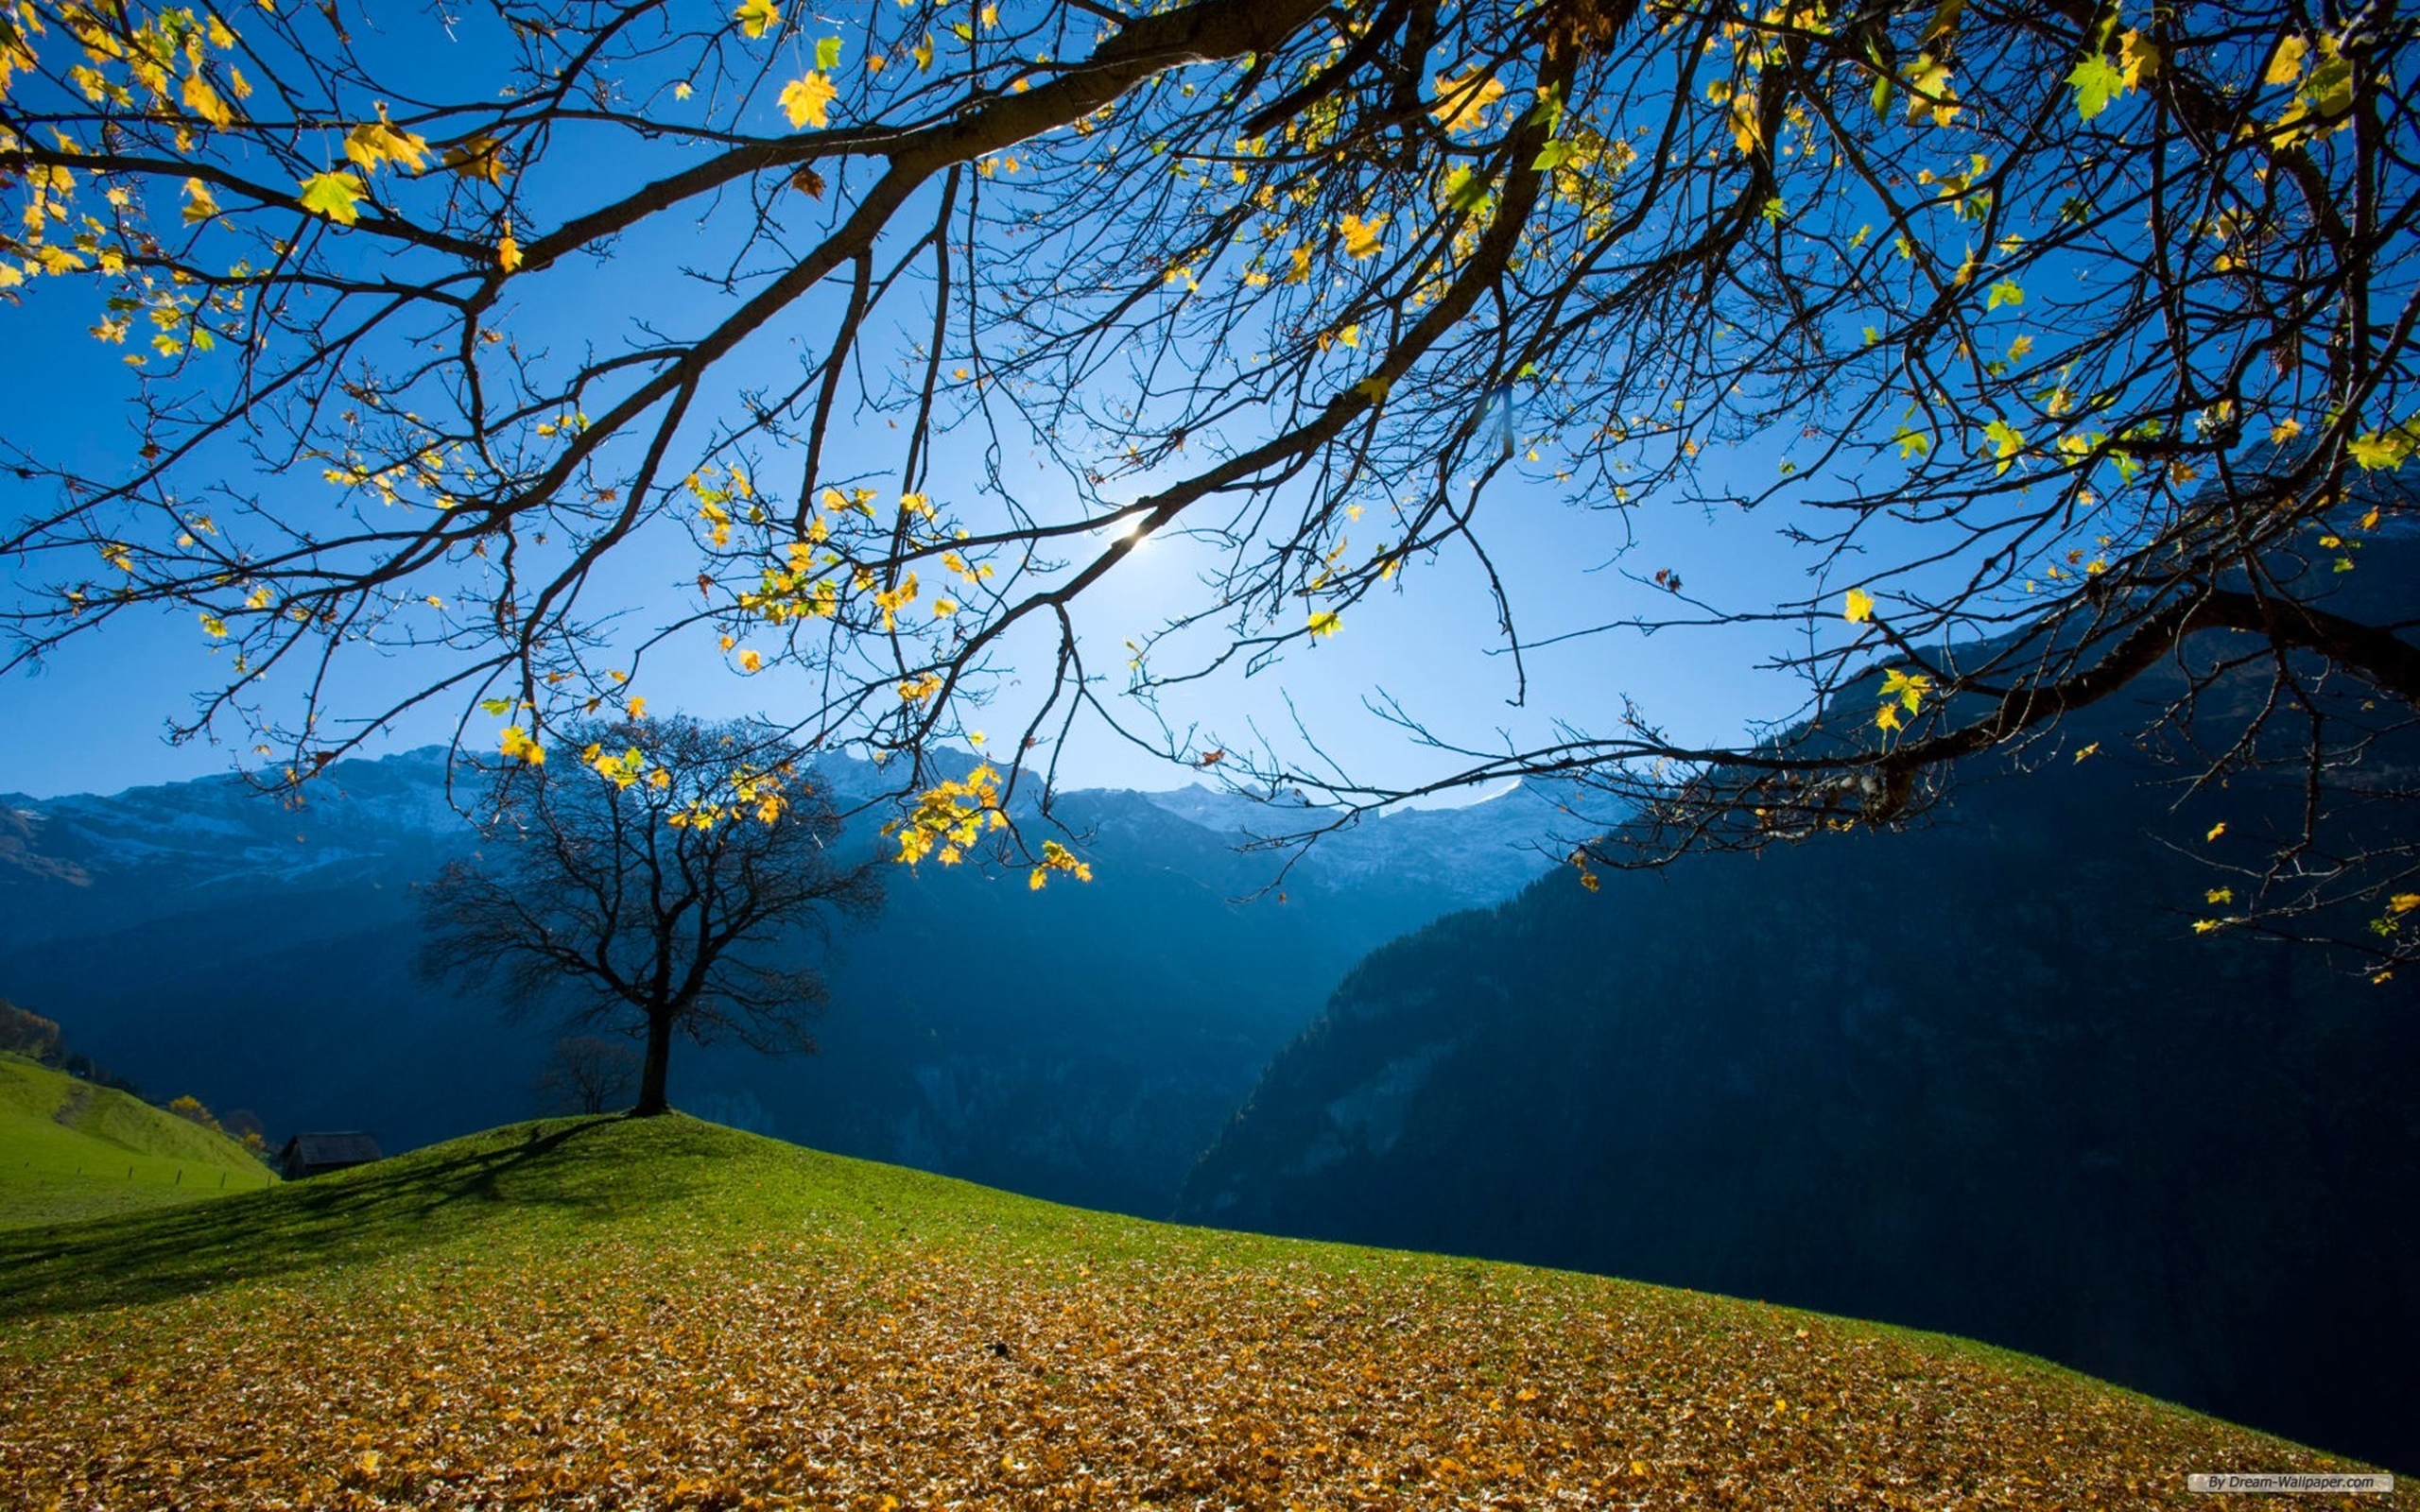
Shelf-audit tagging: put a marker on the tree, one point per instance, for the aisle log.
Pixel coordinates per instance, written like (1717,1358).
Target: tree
(587,1074)
(661,886)
(27,1034)
(2050,334)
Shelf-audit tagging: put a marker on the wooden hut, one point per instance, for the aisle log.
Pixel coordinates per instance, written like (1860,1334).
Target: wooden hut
(311,1154)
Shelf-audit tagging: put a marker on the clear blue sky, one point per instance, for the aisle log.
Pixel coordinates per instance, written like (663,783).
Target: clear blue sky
(92,717)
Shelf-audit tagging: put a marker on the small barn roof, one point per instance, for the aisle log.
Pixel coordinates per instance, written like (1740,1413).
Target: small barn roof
(331,1149)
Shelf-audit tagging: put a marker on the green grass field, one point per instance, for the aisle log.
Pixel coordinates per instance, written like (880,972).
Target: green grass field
(605,1313)
(70,1150)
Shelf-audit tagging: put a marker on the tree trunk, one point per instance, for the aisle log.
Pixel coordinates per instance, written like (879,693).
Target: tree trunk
(659,1055)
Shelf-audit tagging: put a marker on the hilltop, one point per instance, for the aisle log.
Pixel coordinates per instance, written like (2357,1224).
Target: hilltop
(593,1313)
(70,1150)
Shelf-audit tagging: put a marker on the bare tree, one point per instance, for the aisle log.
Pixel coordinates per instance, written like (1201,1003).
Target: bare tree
(2049,333)
(664,885)
(587,1074)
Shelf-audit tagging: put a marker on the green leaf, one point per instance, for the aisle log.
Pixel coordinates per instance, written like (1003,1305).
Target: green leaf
(827,53)
(1552,156)
(1465,191)
(2006,440)
(2381,451)
(2097,82)
(498,706)
(336,196)
(2004,292)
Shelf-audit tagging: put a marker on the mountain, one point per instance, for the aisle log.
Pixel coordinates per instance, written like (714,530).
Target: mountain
(1084,1043)
(1979,1075)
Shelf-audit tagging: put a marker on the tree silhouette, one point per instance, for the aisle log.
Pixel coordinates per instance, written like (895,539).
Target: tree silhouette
(2058,340)
(662,887)
(587,1074)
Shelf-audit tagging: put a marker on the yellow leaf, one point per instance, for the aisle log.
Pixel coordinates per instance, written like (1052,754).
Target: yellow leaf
(372,143)
(1360,236)
(757,17)
(205,102)
(2403,903)
(479,157)
(2287,66)
(516,742)
(1462,102)
(336,196)
(508,251)
(809,100)
(2088,750)
(750,662)
(2216,830)
(199,205)
(1858,607)
(1325,623)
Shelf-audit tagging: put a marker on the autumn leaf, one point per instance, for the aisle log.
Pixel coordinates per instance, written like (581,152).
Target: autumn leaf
(516,743)
(1325,623)
(750,662)
(336,196)
(2004,292)
(1908,688)
(2006,440)
(2381,451)
(2097,82)
(1360,236)
(478,156)
(2216,830)
(199,205)
(1858,607)
(2286,65)
(508,251)
(373,144)
(757,17)
(1462,102)
(809,100)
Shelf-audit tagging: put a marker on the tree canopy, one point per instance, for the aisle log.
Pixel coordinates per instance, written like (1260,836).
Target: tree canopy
(2061,338)
(664,887)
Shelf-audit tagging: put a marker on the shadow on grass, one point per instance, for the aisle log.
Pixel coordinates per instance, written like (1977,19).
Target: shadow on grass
(594,1170)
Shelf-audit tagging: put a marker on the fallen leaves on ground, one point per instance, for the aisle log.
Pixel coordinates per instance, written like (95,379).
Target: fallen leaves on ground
(665,1364)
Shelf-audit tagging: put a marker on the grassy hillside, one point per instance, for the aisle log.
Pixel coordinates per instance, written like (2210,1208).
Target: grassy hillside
(70,1150)
(591,1313)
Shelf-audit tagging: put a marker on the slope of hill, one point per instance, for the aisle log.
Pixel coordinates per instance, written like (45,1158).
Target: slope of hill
(668,1313)
(70,1150)
(1979,1076)
(1084,1044)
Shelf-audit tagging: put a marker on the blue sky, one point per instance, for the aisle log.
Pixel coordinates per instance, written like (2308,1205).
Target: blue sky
(92,718)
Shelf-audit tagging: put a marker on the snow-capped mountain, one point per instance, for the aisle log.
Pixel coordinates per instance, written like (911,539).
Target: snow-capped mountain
(1084,1042)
